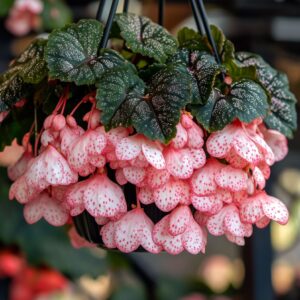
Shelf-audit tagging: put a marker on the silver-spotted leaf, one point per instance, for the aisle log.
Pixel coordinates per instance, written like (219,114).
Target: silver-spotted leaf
(145,37)
(192,40)
(203,69)
(119,93)
(282,115)
(72,53)
(246,101)
(29,68)
(121,97)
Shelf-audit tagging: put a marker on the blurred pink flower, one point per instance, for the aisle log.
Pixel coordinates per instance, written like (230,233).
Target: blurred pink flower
(24,16)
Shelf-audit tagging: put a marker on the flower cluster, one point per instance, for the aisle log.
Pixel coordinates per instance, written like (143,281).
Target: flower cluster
(219,189)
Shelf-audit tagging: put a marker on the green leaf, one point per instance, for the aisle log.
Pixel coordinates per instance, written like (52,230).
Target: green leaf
(119,93)
(12,89)
(31,65)
(155,114)
(238,71)
(246,101)
(203,70)
(72,53)
(282,115)
(29,68)
(55,14)
(147,73)
(145,37)
(5,7)
(218,37)
(190,39)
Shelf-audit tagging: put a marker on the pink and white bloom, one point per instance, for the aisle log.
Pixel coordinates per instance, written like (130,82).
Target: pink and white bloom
(179,231)
(261,206)
(49,208)
(18,169)
(227,220)
(134,229)
(131,147)
(85,152)
(171,194)
(277,142)
(237,140)
(98,195)
(49,168)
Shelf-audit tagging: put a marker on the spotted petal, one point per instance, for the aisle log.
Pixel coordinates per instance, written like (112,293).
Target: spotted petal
(179,220)
(232,179)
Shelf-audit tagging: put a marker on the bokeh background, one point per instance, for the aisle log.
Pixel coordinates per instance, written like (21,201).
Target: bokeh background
(267,268)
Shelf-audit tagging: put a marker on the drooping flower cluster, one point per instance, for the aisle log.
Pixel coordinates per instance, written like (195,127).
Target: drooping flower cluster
(219,189)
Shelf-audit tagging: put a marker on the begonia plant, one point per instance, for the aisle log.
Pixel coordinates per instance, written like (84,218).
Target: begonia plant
(193,138)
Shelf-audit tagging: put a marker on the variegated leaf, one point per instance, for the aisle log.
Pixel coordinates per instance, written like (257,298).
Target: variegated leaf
(245,101)
(203,70)
(283,116)
(145,37)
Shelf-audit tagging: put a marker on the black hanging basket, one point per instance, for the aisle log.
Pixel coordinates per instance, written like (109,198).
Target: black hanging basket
(85,224)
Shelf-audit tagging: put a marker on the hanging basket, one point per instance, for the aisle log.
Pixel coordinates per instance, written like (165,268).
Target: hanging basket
(180,134)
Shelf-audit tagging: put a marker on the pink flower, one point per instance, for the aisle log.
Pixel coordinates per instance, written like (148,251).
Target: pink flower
(277,142)
(134,229)
(85,152)
(261,206)
(213,203)
(98,195)
(178,231)
(237,140)
(49,168)
(24,16)
(131,147)
(22,192)
(227,221)
(49,208)
(18,169)
(168,196)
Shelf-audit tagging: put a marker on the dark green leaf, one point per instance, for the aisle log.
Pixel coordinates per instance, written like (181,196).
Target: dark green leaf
(219,37)
(12,90)
(238,71)
(72,53)
(30,65)
(145,37)
(283,116)
(246,101)
(190,39)
(147,73)
(203,70)
(55,14)
(119,93)
(29,68)
(121,98)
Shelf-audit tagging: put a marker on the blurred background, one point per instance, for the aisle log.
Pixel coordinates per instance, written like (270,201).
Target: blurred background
(267,268)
